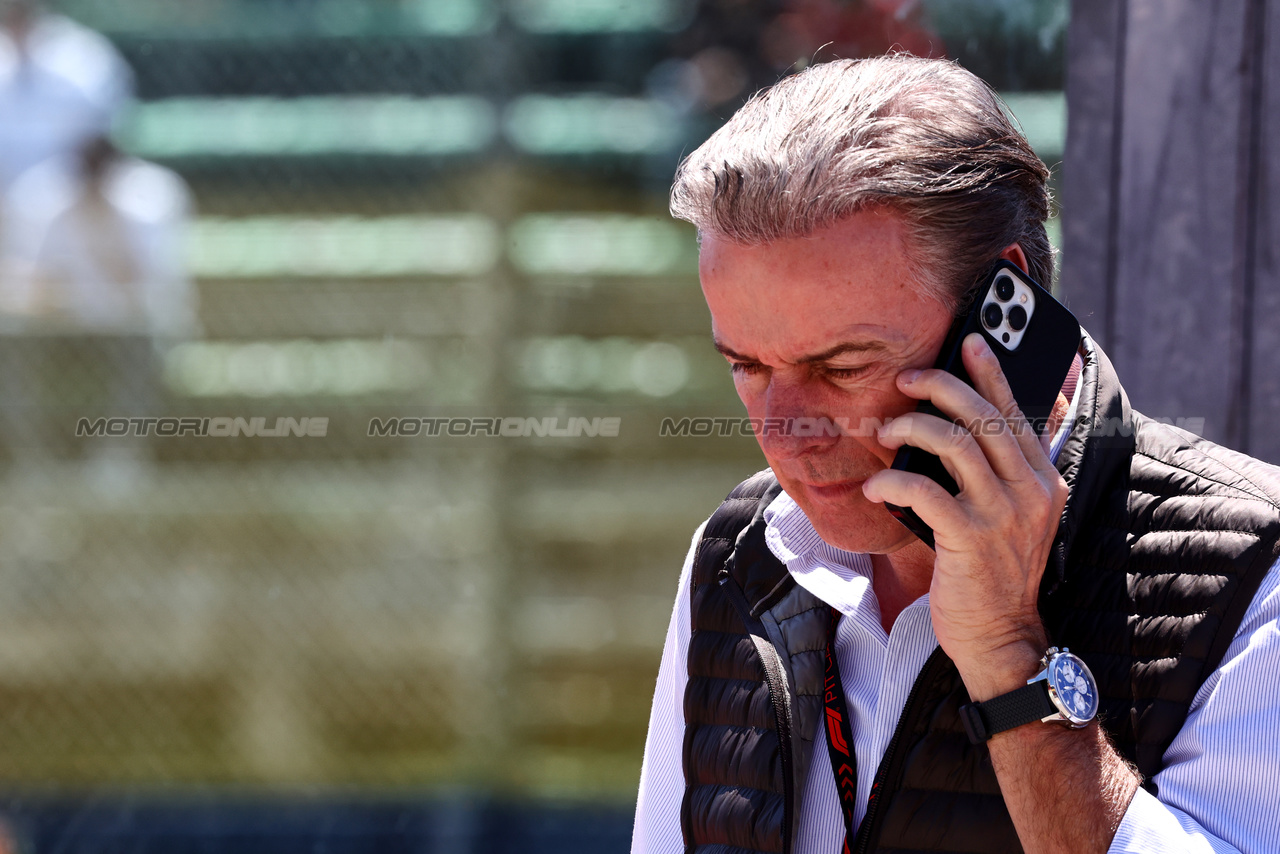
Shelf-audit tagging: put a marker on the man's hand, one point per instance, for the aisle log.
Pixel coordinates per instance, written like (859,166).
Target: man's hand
(993,538)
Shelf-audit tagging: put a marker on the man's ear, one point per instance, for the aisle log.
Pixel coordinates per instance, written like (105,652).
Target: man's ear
(1014,254)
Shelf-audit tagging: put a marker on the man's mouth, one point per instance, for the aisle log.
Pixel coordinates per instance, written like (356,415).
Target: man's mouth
(835,490)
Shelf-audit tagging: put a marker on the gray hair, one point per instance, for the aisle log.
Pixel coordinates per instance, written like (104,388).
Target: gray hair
(923,137)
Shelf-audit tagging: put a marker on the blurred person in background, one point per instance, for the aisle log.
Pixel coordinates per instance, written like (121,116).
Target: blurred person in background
(103,291)
(61,88)
(732,48)
(97,296)
(108,246)
(61,85)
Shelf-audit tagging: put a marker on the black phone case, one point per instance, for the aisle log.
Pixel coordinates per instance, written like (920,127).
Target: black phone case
(1036,371)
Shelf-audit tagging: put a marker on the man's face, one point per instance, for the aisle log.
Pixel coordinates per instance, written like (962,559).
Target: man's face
(819,327)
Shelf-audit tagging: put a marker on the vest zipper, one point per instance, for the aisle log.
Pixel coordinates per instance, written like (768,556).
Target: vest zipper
(776,680)
(891,764)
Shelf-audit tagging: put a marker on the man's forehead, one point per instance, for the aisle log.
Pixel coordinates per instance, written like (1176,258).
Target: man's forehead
(846,288)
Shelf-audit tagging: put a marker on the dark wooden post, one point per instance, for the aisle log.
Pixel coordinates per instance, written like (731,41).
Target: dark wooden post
(1169,185)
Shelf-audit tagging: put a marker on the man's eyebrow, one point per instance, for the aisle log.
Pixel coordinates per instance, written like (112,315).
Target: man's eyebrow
(831,353)
(730,352)
(846,347)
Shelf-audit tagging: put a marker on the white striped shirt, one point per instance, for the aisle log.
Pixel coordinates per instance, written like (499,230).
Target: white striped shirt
(1217,791)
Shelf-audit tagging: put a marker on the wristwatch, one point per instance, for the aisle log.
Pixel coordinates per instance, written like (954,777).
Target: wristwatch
(1064,691)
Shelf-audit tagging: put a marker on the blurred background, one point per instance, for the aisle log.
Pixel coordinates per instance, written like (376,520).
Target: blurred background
(371,625)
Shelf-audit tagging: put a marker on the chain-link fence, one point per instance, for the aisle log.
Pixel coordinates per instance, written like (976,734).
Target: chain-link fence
(358,401)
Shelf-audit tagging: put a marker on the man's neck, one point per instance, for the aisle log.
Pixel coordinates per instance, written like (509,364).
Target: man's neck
(900,578)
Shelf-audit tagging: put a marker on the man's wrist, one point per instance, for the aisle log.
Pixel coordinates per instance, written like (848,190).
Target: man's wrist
(996,672)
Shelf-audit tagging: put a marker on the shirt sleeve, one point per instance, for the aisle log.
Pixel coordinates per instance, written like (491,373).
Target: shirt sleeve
(657,827)
(1217,790)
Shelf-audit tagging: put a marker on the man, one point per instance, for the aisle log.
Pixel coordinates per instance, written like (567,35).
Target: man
(61,85)
(830,680)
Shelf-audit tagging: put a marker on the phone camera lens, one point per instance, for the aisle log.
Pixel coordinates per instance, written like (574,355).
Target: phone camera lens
(992,316)
(1004,289)
(1017,317)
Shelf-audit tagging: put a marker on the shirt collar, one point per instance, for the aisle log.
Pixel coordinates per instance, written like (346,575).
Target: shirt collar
(788,532)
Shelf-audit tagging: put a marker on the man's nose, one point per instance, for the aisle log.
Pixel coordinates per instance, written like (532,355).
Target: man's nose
(795,421)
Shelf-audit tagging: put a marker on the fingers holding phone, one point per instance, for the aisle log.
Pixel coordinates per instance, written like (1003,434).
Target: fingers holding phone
(987,448)
(972,478)
(1032,339)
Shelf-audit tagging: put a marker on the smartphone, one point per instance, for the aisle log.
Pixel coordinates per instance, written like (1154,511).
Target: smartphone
(1034,337)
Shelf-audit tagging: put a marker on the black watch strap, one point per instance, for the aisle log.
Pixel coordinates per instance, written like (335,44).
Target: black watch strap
(1022,706)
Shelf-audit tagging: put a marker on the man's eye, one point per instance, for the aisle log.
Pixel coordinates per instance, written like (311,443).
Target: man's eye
(846,373)
(745,368)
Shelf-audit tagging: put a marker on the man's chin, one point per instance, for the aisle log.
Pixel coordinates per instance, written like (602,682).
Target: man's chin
(844,518)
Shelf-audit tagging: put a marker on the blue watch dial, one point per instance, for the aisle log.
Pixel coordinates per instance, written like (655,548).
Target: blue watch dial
(1075,687)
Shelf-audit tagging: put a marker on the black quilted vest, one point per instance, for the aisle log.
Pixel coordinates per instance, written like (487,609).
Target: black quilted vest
(1161,547)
